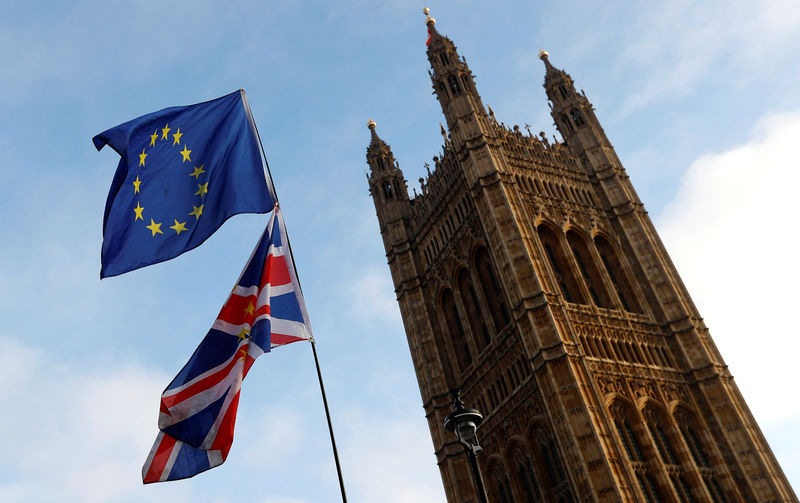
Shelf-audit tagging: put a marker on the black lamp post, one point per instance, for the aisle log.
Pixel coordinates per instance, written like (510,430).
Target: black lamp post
(464,423)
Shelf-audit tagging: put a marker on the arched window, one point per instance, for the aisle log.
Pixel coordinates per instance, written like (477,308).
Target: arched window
(457,336)
(454,85)
(565,121)
(554,485)
(473,308)
(561,268)
(617,275)
(577,118)
(532,492)
(655,426)
(502,486)
(444,58)
(388,193)
(492,292)
(589,270)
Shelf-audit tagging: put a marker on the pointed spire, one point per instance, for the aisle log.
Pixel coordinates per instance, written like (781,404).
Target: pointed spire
(431,23)
(375,141)
(550,70)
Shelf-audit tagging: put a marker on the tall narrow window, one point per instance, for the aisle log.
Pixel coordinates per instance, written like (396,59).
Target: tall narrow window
(663,445)
(555,486)
(492,291)
(527,478)
(388,193)
(617,275)
(454,85)
(589,270)
(577,118)
(457,337)
(565,121)
(555,255)
(502,485)
(477,321)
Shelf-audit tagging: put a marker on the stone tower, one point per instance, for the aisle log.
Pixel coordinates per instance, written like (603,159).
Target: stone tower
(530,278)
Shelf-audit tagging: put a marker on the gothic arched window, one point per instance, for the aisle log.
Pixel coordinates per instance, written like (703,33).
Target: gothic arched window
(577,118)
(554,484)
(388,193)
(502,486)
(561,268)
(527,477)
(458,338)
(589,270)
(473,308)
(492,292)
(617,275)
(664,443)
(565,121)
(454,85)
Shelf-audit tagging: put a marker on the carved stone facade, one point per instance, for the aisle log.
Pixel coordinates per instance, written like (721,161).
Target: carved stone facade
(530,277)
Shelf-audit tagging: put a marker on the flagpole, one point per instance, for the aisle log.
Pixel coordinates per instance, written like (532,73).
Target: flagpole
(313,343)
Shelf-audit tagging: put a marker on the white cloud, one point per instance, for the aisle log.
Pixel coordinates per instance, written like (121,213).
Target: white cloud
(74,434)
(731,232)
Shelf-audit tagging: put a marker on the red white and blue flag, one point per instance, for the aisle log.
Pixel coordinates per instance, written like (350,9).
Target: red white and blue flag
(198,408)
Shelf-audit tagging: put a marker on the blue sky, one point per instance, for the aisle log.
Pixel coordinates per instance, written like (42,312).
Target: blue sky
(700,102)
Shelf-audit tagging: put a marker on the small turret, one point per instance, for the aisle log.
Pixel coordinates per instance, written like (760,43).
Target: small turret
(386,182)
(572,112)
(452,81)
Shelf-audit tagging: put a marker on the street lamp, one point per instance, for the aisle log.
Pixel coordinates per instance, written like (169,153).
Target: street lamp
(464,423)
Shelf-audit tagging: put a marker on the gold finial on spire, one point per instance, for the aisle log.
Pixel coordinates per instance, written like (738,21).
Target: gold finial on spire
(371,124)
(428,19)
(543,54)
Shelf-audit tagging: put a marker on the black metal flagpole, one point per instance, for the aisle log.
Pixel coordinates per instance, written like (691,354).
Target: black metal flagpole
(313,343)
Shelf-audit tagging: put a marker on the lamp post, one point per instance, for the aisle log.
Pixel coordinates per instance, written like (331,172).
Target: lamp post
(464,423)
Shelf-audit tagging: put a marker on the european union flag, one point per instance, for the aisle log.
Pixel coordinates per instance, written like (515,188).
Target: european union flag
(183,171)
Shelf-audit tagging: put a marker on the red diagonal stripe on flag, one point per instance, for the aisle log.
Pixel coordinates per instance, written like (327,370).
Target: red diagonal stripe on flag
(276,272)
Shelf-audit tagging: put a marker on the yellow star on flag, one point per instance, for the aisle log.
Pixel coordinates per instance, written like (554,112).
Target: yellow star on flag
(250,309)
(185,153)
(202,189)
(179,227)
(141,157)
(136,184)
(244,333)
(153,137)
(244,354)
(165,132)
(197,211)
(154,227)
(197,172)
(138,210)
(177,137)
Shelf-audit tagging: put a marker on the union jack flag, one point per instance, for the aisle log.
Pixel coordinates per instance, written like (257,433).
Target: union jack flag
(198,408)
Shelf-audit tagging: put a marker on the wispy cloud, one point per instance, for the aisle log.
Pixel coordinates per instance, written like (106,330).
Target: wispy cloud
(745,35)
(74,433)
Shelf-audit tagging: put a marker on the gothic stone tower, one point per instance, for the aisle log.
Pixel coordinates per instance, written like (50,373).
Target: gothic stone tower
(530,277)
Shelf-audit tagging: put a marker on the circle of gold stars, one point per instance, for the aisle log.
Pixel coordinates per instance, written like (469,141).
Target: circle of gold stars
(185,155)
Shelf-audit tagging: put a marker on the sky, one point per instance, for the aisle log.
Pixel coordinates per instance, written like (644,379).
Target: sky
(699,99)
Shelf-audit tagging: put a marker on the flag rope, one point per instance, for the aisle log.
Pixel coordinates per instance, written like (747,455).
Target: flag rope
(313,342)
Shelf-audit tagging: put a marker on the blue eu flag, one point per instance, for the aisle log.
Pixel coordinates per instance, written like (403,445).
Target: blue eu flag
(183,171)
